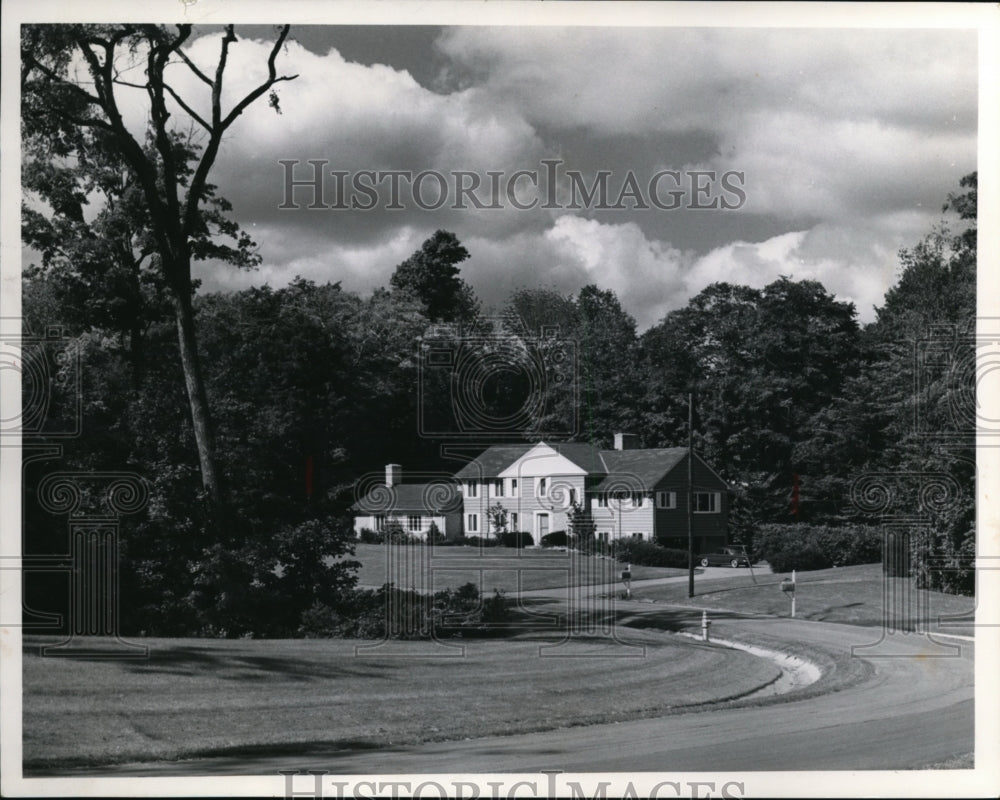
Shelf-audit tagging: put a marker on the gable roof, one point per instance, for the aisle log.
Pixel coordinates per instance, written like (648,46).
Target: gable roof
(416,497)
(642,467)
(494,460)
(638,470)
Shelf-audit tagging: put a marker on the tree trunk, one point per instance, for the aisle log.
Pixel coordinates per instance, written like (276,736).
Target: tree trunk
(200,417)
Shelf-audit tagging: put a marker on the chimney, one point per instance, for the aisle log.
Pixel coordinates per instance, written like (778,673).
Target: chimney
(626,441)
(393,475)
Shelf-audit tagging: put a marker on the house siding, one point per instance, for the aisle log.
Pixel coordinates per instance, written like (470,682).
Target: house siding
(526,504)
(449,524)
(708,529)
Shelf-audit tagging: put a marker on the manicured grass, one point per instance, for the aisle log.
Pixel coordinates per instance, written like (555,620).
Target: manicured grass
(490,568)
(210,697)
(852,595)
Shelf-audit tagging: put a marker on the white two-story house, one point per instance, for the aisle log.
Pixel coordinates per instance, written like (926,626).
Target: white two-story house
(630,492)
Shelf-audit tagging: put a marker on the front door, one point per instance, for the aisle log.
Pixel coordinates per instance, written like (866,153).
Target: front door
(542,526)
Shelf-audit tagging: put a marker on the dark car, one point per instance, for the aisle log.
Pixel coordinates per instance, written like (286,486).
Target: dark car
(733,556)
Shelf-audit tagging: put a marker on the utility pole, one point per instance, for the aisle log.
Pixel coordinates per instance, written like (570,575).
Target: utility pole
(690,493)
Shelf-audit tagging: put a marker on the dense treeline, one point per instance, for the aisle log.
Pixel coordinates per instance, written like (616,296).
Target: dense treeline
(311,387)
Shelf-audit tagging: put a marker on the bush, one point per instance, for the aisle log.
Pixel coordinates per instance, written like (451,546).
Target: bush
(434,534)
(516,539)
(554,539)
(806,547)
(368,536)
(366,614)
(649,554)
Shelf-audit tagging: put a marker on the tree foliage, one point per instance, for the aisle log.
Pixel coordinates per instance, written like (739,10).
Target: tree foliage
(431,275)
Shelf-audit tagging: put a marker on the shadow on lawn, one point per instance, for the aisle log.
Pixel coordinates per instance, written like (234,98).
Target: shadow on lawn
(230,664)
(673,620)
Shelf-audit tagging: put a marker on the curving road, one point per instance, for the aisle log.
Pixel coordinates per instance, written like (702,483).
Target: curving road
(915,709)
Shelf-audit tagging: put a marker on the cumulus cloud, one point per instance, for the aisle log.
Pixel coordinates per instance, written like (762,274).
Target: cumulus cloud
(849,141)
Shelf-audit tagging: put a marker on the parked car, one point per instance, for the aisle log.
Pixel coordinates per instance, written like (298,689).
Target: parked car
(733,556)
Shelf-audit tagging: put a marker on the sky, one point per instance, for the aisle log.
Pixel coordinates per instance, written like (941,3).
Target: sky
(843,145)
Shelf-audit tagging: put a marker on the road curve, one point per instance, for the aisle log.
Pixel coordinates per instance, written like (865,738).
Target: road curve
(915,709)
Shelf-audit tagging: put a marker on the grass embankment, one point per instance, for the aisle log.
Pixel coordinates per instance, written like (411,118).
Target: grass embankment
(213,697)
(854,595)
(504,568)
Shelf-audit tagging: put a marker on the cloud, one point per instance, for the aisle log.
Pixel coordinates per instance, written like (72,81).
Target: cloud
(849,141)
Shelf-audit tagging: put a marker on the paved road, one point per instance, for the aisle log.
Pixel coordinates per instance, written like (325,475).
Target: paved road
(916,709)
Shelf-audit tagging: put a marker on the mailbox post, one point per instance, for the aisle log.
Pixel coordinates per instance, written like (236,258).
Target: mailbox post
(788,586)
(627,580)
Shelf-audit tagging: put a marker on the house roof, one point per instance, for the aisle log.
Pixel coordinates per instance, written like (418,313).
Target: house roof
(638,469)
(405,497)
(494,460)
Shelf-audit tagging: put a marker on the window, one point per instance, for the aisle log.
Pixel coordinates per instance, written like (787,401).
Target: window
(543,487)
(498,487)
(638,498)
(513,487)
(473,522)
(666,499)
(470,489)
(379,522)
(602,501)
(414,523)
(706,503)
(572,496)
(513,521)
(637,536)
(603,536)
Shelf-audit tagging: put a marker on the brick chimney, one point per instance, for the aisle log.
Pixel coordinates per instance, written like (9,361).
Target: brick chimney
(626,441)
(393,475)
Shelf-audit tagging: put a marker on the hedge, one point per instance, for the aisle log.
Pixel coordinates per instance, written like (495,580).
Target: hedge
(393,613)
(554,539)
(806,547)
(649,554)
(516,539)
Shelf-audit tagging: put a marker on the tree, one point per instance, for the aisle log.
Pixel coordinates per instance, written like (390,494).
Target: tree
(67,116)
(760,363)
(581,528)
(498,520)
(431,275)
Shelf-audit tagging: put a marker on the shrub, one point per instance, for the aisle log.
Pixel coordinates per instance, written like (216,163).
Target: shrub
(806,547)
(365,615)
(516,539)
(434,534)
(368,536)
(649,554)
(554,539)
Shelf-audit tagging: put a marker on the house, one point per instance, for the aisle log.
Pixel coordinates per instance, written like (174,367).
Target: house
(416,506)
(629,492)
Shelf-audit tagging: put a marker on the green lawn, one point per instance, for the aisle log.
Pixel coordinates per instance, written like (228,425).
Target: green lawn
(196,697)
(851,595)
(490,568)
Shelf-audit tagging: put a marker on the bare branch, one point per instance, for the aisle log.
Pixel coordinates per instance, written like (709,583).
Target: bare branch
(272,78)
(194,68)
(220,125)
(190,111)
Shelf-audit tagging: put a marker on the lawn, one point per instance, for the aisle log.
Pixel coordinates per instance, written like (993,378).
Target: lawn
(490,568)
(195,697)
(852,595)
